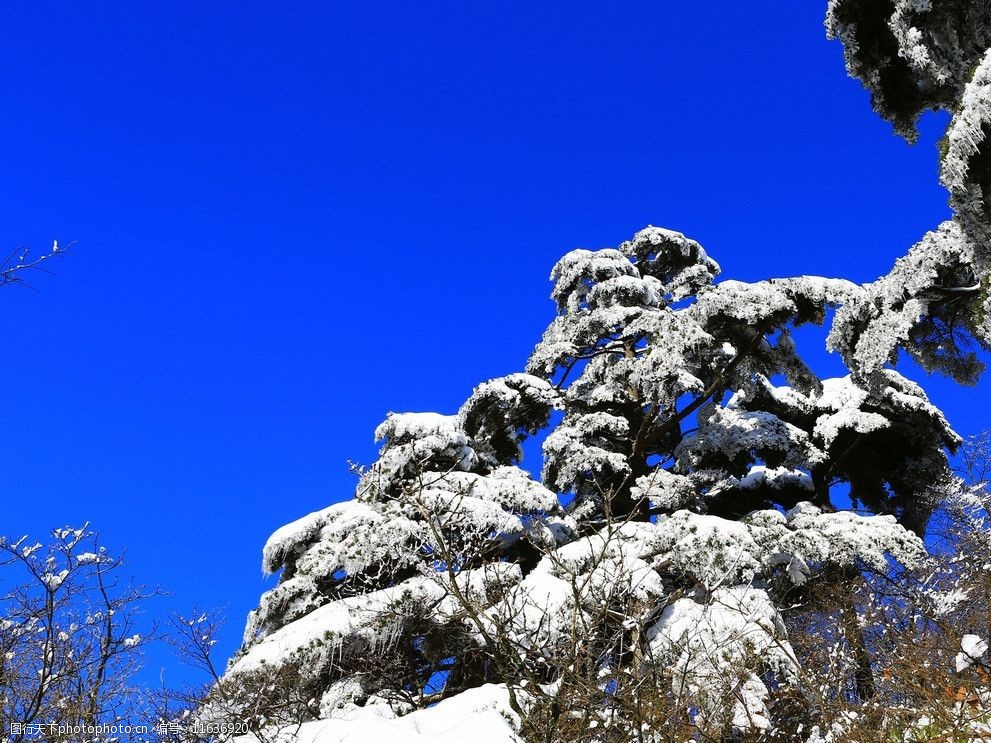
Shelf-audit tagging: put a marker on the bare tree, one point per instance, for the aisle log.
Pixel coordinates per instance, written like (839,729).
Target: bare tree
(19,263)
(69,639)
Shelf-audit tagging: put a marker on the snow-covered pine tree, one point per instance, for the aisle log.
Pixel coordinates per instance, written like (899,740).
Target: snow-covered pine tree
(635,361)
(696,457)
(936,302)
(695,464)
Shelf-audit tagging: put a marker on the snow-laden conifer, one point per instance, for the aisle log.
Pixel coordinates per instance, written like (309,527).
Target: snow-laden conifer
(699,474)
(679,483)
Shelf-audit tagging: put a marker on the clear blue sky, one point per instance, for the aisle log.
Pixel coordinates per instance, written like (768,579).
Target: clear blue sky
(294,218)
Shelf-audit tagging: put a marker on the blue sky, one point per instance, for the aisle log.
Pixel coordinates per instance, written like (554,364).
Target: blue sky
(293,219)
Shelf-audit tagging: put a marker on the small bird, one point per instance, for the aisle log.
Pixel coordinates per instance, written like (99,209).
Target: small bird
(54,246)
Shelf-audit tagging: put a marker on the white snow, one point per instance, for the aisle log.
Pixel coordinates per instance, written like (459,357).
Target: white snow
(369,621)
(506,485)
(288,537)
(53,581)
(319,634)
(707,646)
(411,426)
(972,648)
(481,715)
(664,489)
(844,537)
